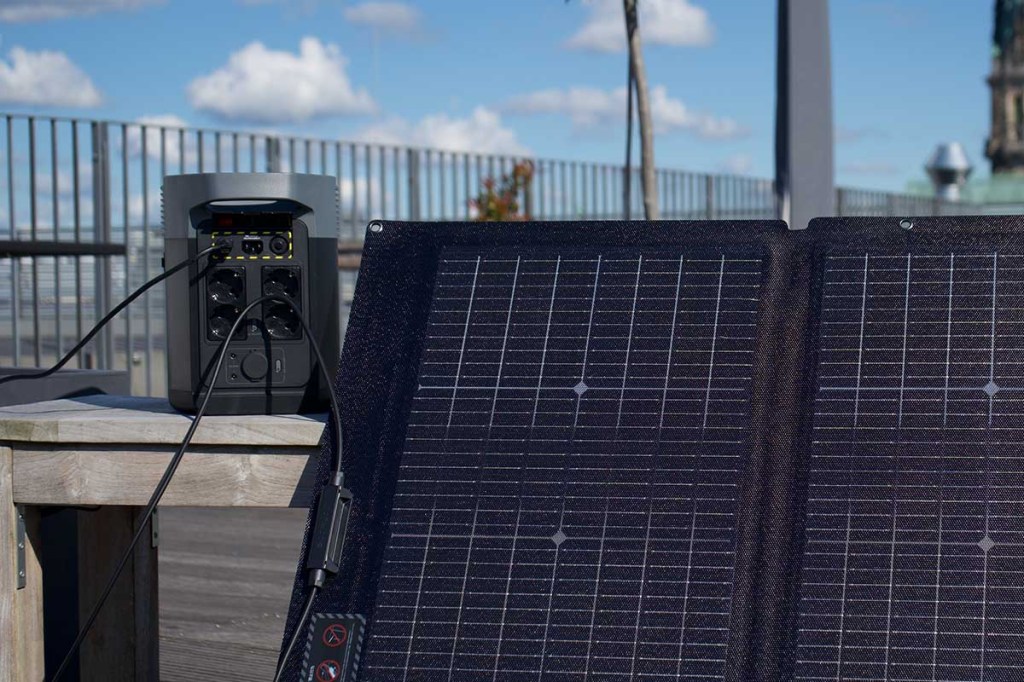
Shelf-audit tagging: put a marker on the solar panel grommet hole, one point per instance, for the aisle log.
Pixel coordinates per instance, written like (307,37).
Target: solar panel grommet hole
(376,227)
(907,224)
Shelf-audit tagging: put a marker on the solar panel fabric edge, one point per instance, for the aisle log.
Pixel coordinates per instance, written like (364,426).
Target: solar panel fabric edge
(390,305)
(859,587)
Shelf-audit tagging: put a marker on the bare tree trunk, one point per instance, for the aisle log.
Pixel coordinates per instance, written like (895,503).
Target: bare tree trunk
(643,107)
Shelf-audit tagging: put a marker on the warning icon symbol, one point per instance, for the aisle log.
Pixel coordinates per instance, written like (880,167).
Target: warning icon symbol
(335,635)
(328,671)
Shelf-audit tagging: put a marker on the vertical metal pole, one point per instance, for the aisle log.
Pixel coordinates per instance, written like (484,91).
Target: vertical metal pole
(101,234)
(354,181)
(55,196)
(129,340)
(431,215)
(34,234)
(147,321)
(804,166)
(76,184)
(200,152)
(442,213)
(465,182)
(382,158)
(709,197)
(396,159)
(273,155)
(369,181)
(528,191)
(413,161)
(15,262)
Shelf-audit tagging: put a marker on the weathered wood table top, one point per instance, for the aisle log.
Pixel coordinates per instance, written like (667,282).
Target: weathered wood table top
(126,419)
(107,453)
(105,450)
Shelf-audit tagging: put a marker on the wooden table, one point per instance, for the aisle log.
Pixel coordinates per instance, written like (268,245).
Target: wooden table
(105,454)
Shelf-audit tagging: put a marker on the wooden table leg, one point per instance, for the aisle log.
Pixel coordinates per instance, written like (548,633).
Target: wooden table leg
(123,644)
(21,609)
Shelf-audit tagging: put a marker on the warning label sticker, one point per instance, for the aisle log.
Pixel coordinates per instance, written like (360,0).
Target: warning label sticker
(333,647)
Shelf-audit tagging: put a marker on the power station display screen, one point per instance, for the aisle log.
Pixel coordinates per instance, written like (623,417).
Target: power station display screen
(243,221)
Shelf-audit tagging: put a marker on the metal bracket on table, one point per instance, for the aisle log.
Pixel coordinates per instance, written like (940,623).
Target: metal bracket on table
(19,537)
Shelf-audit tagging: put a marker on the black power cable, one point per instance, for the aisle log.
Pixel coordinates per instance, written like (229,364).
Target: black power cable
(331,549)
(323,557)
(293,640)
(111,315)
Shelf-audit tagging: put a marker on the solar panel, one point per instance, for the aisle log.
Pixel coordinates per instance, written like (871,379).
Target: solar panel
(671,451)
(556,510)
(563,501)
(912,564)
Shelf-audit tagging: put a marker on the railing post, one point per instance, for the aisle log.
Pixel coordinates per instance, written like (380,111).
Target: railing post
(709,197)
(273,155)
(840,202)
(102,285)
(413,163)
(528,189)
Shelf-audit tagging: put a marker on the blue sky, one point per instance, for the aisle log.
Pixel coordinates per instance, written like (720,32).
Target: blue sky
(538,76)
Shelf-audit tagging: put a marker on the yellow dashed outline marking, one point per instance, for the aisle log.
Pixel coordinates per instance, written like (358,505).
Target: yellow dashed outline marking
(265,233)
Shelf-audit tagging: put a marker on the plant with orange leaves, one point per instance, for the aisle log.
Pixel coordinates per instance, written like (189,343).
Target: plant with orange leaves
(500,201)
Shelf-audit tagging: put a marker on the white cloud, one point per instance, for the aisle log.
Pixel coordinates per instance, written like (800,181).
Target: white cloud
(390,17)
(662,22)
(172,146)
(45,78)
(591,107)
(260,85)
(481,132)
(737,164)
(15,11)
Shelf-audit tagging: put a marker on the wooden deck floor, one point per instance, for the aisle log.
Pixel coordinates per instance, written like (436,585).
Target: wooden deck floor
(225,582)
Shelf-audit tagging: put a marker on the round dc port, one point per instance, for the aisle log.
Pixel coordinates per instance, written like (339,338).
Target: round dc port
(279,245)
(282,322)
(221,319)
(226,286)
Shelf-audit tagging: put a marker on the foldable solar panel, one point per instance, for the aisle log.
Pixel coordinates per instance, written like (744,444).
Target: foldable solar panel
(551,433)
(674,451)
(912,565)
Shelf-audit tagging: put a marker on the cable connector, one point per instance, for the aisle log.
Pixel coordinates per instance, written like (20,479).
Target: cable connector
(328,539)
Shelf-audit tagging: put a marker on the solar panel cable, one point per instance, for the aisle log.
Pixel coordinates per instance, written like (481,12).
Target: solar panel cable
(324,552)
(322,558)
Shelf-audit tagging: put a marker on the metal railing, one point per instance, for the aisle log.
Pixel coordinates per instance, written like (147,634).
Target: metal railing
(866,203)
(80,181)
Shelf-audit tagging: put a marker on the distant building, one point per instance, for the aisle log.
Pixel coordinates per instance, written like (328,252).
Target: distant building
(1005,146)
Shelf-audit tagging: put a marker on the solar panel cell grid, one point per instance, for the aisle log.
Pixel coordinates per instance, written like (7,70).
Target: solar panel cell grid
(703,454)
(913,567)
(567,495)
